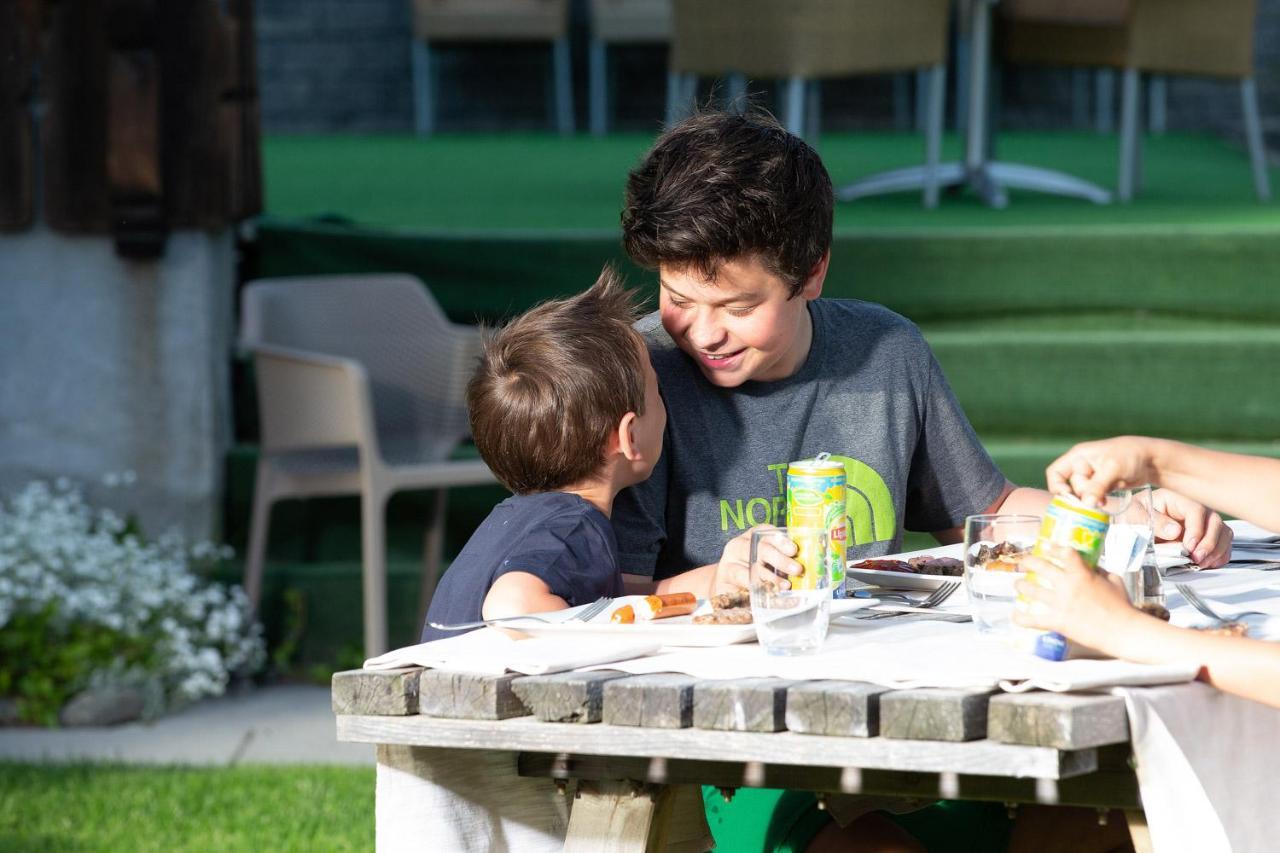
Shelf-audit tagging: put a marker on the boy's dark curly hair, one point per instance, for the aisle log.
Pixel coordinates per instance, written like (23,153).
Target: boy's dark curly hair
(722,186)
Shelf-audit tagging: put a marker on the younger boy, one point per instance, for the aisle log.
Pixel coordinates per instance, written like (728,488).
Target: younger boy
(565,410)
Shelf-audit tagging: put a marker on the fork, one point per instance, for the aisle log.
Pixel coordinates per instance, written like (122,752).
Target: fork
(939,595)
(1193,598)
(586,614)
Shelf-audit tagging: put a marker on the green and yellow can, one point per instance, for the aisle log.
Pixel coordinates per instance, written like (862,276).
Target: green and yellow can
(816,499)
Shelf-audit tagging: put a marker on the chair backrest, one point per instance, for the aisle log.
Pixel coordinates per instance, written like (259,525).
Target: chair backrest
(1084,12)
(631,21)
(490,20)
(418,363)
(1194,37)
(1198,37)
(807,38)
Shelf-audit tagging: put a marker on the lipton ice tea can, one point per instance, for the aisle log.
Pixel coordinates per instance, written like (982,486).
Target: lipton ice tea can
(816,499)
(1067,524)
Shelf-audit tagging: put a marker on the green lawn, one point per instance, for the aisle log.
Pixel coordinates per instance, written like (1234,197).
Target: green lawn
(113,807)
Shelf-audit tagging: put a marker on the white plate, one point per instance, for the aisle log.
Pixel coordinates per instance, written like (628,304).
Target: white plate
(676,631)
(903,580)
(899,580)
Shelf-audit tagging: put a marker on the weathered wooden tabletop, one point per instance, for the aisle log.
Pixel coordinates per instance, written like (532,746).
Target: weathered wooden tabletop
(823,736)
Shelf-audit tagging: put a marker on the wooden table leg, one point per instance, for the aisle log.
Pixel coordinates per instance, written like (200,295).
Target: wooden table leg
(1139,833)
(617,817)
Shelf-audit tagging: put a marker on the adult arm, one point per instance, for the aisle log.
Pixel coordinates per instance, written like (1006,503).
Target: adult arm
(1092,609)
(1247,487)
(1013,500)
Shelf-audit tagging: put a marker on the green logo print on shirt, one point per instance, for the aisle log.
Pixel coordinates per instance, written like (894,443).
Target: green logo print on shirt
(867,501)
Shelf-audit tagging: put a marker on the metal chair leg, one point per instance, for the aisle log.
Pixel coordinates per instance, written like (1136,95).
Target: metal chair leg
(564,85)
(682,96)
(934,116)
(1157,104)
(674,88)
(736,92)
(813,111)
(795,105)
(1253,133)
(963,47)
(1128,133)
(598,87)
(424,118)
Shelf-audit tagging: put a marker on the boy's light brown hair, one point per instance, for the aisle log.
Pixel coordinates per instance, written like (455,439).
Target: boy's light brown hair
(554,383)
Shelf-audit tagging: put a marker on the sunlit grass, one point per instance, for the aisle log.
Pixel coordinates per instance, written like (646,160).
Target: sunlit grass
(115,807)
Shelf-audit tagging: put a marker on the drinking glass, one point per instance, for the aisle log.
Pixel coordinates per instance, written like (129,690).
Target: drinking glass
(1129,550)
(793,620)
(993,546)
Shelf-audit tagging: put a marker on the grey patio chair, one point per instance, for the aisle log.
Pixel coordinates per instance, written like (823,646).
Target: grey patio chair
(623,22)
(1144,37)
(361,391)
(460,21)
(805,41)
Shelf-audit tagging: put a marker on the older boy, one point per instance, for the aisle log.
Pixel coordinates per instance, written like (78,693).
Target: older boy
(565,410)
(735,214)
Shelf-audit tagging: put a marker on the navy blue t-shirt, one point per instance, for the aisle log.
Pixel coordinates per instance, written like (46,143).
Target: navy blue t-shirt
(555,536)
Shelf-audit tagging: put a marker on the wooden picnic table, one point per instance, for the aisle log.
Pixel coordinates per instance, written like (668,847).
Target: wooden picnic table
(636,747)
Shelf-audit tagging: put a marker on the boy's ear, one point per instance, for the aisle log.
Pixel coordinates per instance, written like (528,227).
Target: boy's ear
(624,438)
(812,288)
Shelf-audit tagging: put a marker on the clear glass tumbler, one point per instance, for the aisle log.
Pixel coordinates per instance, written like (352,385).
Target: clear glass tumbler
(1130,545)
(791,620)
(994,546)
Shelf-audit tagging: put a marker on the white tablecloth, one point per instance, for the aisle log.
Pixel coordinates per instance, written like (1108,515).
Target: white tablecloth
(1207,768)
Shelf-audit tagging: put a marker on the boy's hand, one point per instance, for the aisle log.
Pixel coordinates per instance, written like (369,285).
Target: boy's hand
(1200,529)
(1072,599)
(734,570)
(1093,468)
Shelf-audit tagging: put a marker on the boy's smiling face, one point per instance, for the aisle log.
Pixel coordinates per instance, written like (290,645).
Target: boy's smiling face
(741,325)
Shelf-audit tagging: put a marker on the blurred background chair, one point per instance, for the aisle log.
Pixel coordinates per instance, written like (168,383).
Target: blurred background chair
(460,21)
(1144,37)
(805,41)
(619,22)
(361,391)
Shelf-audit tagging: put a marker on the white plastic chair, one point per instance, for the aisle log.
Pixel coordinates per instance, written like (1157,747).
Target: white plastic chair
(361,390)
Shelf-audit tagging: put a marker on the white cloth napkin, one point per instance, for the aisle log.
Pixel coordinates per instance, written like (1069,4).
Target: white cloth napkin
(903,654)
(1206,767)
(494,652)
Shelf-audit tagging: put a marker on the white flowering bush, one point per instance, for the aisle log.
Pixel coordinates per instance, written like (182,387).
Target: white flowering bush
(85,602)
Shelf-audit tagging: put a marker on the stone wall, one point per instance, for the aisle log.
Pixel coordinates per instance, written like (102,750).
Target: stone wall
(343,65)
(116,366)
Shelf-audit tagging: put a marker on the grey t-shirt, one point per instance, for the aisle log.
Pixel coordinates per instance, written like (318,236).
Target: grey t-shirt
(870,392)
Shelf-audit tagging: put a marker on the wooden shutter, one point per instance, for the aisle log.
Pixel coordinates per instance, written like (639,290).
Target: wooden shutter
(16,36)
(153,118)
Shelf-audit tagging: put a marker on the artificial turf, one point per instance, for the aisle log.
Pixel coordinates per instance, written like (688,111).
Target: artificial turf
(538,182)
(130,808)
(1055,320)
